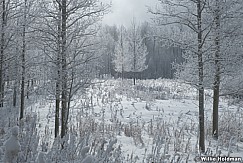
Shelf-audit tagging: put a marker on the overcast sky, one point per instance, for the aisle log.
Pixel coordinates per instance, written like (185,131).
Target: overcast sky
(122,11)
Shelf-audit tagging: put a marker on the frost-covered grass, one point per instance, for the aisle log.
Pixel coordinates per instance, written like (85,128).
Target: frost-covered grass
(164,116)
(153,121)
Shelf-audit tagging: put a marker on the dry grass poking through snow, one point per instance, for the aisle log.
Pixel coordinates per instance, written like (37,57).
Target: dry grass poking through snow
(154,121)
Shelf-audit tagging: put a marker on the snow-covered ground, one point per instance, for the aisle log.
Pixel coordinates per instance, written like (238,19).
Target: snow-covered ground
(153,121)
(156,119)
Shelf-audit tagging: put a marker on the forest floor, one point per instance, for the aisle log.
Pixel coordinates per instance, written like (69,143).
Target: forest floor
(153,121)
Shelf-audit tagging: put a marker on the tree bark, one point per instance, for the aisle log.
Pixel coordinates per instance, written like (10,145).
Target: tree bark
(134,54)
(201,86)
(57,111)
(15,83)
(64,70)
(28,89)
(2,52)
(122,73)
(217,73)
(23,64)
(154,59)
(15,95)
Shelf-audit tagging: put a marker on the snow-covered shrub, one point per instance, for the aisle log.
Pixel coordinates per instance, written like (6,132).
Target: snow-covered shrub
(68,149)
(83,144)
(29,139)
(108,153)
(134,131)
(12,146)
(230,128)
(230,133)
(171,140)
(41,158)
